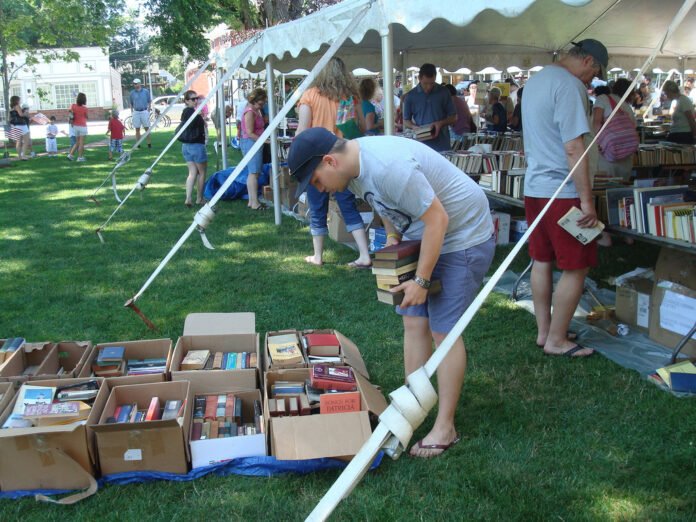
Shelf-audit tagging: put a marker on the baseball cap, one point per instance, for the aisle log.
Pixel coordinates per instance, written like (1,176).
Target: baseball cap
(136,81)
(306,152)
(596,49)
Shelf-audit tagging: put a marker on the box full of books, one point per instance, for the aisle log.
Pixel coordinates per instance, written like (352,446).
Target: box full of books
(45,440)
(145,427)
(333,348)
(47,360)
(283,349)
(322,411)
(130,362)
(220,343)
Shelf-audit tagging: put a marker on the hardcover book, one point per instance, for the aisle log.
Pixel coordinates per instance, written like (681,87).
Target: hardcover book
(399,251)
(172,409)
(395,271)
(332,378)
(194,360)
(111,354)
(339,402)
(322,344)
(385,296)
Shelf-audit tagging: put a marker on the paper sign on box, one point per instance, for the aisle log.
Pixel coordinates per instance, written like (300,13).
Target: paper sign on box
(677,313)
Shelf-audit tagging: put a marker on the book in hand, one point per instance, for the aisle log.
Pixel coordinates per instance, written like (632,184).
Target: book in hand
(424,132)
(285,349)
(569,222)
(399,251)
(195,360)
(332,378)
(388,297)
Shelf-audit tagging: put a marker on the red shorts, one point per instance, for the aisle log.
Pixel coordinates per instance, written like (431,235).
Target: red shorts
(550,242)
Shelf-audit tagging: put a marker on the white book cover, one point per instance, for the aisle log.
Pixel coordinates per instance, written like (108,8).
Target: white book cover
(569,222)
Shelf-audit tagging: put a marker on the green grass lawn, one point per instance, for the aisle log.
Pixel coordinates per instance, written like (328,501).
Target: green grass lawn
(543,438)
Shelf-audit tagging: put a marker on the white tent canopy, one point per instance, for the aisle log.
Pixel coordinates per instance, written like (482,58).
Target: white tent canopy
(479,33)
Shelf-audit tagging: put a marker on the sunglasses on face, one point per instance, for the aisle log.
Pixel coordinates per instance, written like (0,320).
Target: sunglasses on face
(193,99)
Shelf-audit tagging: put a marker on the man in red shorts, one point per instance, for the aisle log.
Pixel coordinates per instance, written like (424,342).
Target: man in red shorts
(555,118)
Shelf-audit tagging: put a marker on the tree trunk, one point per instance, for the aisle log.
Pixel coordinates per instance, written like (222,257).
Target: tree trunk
(5,83)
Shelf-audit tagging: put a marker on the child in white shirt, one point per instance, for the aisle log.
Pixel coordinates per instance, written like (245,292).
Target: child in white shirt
(51,141)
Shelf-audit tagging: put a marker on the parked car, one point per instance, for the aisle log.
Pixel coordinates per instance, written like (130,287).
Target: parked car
(160,103)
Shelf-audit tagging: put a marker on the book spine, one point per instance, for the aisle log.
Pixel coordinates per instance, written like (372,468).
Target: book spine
(229,405)
(153,412)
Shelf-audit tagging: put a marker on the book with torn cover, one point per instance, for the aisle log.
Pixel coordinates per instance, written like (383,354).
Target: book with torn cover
(285,349)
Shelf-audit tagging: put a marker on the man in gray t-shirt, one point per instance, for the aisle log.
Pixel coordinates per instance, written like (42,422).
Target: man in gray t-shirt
(420,195)
(555,118)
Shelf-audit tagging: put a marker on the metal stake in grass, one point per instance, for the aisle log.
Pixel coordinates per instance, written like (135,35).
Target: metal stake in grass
(131,304)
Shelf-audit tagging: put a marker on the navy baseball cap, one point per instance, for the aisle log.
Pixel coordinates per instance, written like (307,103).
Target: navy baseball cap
(596,49)
(306,152)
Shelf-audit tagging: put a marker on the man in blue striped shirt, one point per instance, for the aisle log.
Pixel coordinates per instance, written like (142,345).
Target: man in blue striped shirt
(140,100)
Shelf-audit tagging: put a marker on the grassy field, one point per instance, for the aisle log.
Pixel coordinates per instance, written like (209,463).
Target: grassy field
(543,438)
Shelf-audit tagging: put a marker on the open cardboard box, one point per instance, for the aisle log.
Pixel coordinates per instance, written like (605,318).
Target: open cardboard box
(145,349)
(218,332)
(7,394)
(349,352)
(5,356)
(49,357)
(316,436)
(268,363)
(672,314)
(50,457)
(211,451)
(159,445)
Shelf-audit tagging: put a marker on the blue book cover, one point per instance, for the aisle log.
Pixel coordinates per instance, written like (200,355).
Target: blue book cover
(244,359)
(225,358)
(230,361)
(125,412)
(111,353)
(683,382)
(233,365)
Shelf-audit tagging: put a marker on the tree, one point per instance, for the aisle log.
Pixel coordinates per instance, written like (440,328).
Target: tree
(44,29)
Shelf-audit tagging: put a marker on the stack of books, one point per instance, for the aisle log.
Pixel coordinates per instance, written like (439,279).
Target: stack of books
(509,141)
(378,239)
(284,349)
(221,416)
(322,347)
(289,398)
(392,266)
(508,183)
(110,362)
(129,413)
(423,133)
(664,153)
(340,392)
(679,377)
(52,406)
(207,360)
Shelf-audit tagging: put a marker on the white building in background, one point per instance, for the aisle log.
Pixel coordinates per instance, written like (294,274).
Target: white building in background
(52,87)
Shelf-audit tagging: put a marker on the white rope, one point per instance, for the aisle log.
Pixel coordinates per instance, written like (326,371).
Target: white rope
(126,156)
(260,141)
(393,417)
(145,177)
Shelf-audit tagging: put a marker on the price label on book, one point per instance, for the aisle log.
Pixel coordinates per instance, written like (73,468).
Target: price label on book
(133,454)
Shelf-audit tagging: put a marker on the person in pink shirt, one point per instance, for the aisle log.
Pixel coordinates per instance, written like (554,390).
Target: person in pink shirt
(252,128)
(78,115)
(465,122)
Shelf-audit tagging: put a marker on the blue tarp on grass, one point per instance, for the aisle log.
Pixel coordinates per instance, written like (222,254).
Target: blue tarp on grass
(238,188)
(248,466)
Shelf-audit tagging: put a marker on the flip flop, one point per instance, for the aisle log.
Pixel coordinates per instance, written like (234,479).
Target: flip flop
(359,266)
(260,207)
(570,352)
(442,447)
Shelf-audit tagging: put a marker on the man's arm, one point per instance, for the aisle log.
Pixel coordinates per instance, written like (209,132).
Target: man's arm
(574,149)
(435,220)
(450,110)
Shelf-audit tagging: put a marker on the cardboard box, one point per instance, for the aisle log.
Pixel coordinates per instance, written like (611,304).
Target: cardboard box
(268,363)
(160,445)
(51,457)
(317,436)
(337,227)
(518,224)
(218,332)
(349,352)
(7,394)
(672,314)
(44,356)
(5,356)
(633,302)
(148,348)
(672,265)
(501,227)
(212,451)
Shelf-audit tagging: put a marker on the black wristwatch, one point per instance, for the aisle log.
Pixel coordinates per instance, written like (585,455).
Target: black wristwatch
(423,283)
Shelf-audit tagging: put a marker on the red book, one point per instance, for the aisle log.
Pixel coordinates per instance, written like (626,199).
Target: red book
(229,405)
(197,429)
(153,411)
(403,249)
(117,412)
(323,344)
(339,402)
(332,378)
(211,407)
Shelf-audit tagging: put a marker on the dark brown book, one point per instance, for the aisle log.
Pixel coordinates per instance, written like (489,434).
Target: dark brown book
(238,410)
(197,429)
(199,407)
(385,296)
(229,405)
(395,280)
(400,251)
(394,263)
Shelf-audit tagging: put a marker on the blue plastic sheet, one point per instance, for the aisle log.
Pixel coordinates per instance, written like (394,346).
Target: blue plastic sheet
(248,466)
(238,188)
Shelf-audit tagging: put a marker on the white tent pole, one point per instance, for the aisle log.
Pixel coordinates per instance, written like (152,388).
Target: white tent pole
(145,177)
(270,87)
(125,157)
(205,214)
(388,79)
(400,418)
(222,138)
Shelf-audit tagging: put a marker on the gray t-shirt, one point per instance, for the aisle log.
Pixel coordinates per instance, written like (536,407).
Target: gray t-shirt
(554,113)
(400,178)
(680,106)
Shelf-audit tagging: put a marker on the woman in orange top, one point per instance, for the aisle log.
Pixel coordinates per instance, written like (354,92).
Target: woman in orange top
(333,102)
(78,115)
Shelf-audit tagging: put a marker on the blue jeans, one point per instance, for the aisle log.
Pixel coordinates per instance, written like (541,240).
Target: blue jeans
(319,208)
